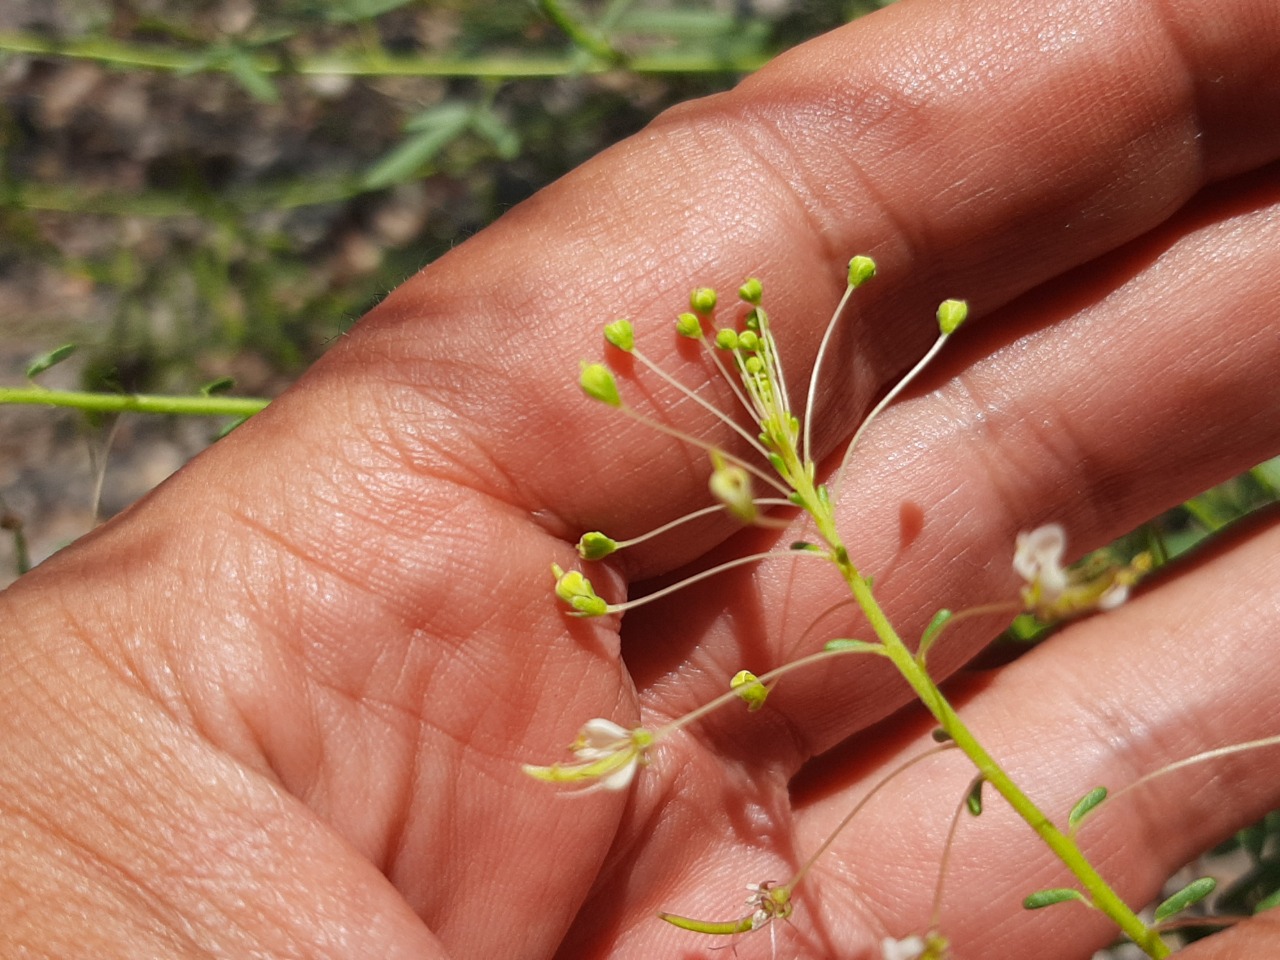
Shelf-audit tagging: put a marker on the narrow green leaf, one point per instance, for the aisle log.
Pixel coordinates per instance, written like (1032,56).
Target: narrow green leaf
(1047,898)
(1085,804)
(405,160)
(933,631)
(1188,896)
(46,360)
(214,387)
(450,115)
(258,85)
(353,11)
(1268,902)
(493,128)
(230,426)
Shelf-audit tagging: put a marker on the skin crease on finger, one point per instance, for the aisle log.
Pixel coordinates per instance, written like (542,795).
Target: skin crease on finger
(974,149)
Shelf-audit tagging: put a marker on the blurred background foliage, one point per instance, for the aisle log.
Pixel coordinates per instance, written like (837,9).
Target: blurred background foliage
(206,189)
(220,187)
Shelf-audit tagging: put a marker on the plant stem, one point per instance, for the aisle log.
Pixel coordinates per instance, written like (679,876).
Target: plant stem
(583,37)
(1100,892)
(377,64)
(195,406)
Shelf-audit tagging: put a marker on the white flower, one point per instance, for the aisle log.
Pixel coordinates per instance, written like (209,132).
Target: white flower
(909,948)
(1038,560)
(606,754)
(1053,592)
(768,902)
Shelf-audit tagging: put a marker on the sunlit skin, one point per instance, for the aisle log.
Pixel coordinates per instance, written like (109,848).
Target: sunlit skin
(281,707)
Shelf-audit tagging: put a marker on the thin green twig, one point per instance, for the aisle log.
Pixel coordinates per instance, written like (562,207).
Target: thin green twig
(582,37)
(376,63)
(192,406)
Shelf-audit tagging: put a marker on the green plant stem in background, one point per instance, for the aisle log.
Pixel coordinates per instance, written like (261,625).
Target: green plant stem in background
(375,64)
(582,36)
(192,406)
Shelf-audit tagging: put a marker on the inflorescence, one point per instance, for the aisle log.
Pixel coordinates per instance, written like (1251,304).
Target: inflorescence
(607,756)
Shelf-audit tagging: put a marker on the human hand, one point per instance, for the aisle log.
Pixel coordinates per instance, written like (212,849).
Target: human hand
(281,707)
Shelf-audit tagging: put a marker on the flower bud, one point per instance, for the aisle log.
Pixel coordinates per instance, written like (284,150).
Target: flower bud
(749,688)
(703,300)
(598,383)
(688,325)
(595,545)
(576,590)
(731,485)
(621,334)
(861,269)
(952,313)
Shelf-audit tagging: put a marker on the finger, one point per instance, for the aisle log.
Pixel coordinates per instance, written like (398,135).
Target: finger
(976,150)
(1253,938)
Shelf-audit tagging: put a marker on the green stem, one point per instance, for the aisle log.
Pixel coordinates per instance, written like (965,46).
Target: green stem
(1100,892)
(376,64)
(198,406)
(582,37)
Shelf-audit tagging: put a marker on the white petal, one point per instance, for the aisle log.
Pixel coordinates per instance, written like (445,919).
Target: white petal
(908,948)
(601,734)
(1038,558)
(621,778)
(1113,596)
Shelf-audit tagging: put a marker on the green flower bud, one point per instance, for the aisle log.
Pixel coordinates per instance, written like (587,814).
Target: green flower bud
(751,291)
(748,686)
(688,325)
(731,485)
(749,340)
(576,590)
(861,269)
(621,334)
(727,339)
(703,300)
(595,545)
(598,383)
(952,313)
